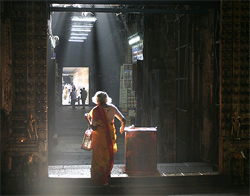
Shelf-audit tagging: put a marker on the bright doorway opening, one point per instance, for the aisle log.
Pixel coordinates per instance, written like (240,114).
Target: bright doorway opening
(78,78)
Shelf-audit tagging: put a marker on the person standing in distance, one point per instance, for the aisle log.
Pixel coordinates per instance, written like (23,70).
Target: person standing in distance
(83,96)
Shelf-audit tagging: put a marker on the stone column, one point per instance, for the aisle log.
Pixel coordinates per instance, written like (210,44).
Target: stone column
(27,148)
(234,90)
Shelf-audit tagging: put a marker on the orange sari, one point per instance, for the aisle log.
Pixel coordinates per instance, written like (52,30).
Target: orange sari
(104,147)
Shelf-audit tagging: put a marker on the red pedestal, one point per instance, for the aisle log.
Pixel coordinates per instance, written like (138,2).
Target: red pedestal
(141,151)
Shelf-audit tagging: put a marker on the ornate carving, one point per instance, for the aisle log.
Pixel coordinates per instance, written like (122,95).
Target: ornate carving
(30,170)
(235,132)
(6,126)
(32,128)
(239,171)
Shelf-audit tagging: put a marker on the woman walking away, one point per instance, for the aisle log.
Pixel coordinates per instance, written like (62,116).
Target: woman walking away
(101,119)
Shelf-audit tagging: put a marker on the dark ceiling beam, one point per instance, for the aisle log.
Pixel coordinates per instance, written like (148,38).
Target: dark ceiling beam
(125,10)
(130,2)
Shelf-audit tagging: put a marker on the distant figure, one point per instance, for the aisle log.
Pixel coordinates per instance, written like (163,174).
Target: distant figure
(73,98)
(83,96)
(69,96)
(65,93)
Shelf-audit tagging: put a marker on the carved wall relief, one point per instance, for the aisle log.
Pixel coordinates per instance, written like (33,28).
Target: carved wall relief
(234,93)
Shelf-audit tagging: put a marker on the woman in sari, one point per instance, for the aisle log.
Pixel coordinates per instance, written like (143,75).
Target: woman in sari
(104,137)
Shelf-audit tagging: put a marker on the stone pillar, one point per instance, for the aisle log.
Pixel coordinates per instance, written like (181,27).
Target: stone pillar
(159,60)
(6,83)
(26,155)
(234,89)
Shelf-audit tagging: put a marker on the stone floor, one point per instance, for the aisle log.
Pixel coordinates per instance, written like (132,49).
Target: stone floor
(165,169)
(67,159)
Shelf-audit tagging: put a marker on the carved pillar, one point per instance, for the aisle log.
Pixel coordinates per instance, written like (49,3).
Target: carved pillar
(6,82)
(26,151)
(234,89)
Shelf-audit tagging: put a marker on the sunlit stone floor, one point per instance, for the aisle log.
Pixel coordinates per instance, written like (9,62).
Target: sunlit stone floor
(165,169)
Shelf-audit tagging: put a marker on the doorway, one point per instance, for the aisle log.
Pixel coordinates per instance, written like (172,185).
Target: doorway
(94,63)
(75,78)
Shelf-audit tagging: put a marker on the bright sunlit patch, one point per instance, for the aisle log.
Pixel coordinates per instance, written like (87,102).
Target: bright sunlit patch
(134,40)
(82,26)
(76,40)
(80,171)
(79,34)
(75,5)
(80,30)
(77,77)
(78,37)
(84,19)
